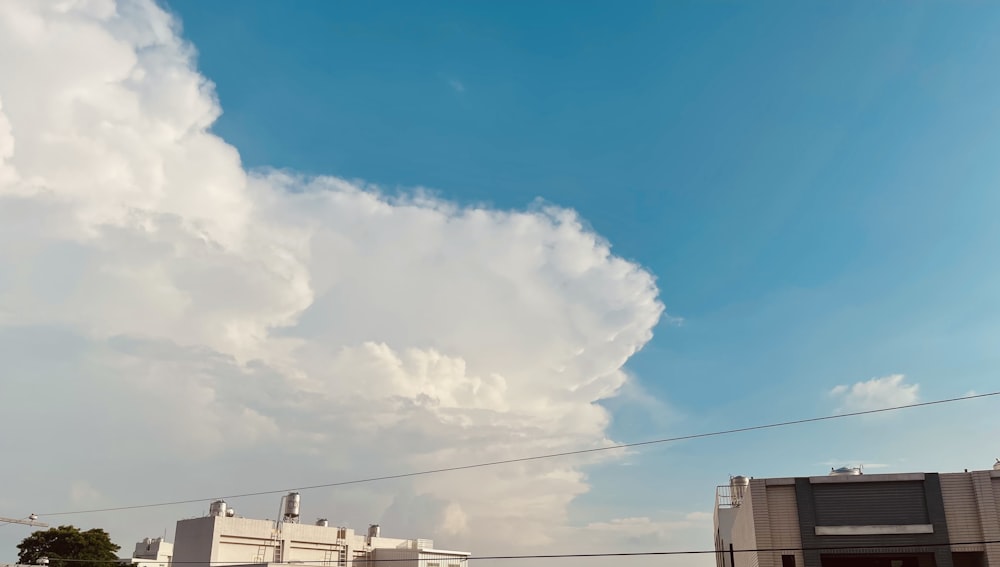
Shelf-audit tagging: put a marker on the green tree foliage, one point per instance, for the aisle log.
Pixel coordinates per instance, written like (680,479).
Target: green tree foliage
(91,548)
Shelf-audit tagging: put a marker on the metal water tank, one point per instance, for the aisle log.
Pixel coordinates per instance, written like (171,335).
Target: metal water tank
(323,522)
(292,502)
(217,508)
(996,465)
(374,530)
(846,471)
(230,512)
(737,487)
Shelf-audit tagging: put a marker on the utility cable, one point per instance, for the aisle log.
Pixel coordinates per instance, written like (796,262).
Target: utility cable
(841,549)
(532,458)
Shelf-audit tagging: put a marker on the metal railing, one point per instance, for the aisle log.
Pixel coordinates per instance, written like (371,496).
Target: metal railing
(726,498)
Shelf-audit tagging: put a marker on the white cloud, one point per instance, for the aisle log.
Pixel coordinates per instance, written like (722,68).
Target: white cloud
(182,314)
(877,393)
(81,493)
(456,85)
(644,533)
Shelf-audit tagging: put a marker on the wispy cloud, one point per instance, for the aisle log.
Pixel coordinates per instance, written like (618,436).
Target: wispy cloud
(456,85)
(877,393)
(82,493)
(854,462)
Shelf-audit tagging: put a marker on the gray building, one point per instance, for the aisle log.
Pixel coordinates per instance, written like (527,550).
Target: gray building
(848,518)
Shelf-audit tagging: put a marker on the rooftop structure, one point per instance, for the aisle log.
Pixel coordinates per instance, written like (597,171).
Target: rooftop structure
(152,552)
(847,518)
(223,538)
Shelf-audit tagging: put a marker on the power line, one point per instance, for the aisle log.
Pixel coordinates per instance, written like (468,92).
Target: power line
(842,549)
(532,458)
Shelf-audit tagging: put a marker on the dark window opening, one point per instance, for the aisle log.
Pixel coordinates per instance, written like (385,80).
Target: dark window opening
(968,559)
(787,561)
(901,560)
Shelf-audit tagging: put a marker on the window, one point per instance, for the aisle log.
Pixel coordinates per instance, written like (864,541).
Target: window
(787,561)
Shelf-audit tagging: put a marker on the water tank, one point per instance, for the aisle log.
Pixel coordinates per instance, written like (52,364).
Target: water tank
(292,502)
(322,522)
(996,465)
(374,530)
(230,512)
(218,508)
(846,471)
(737,487)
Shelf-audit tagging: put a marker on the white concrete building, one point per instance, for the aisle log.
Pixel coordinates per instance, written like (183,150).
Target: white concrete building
(152,552)
(222,538)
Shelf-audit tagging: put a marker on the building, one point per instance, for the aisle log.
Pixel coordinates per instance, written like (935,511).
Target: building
(848,518)
(222,538)
(152,552)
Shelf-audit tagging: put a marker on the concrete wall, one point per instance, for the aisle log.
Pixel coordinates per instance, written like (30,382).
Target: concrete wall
(155,549)
(961,510)
(397,557)
(440,560)
(194,541)
(245,540)
(723,521)
(229,541)
(972,507)
(415,558)
(784,518)
(744,530)
(989,518)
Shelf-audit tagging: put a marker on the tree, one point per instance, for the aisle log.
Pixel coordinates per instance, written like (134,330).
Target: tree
(91,548)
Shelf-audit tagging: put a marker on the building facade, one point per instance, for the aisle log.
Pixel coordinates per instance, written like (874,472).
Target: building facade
(222,538)
(853,519)
(152,552)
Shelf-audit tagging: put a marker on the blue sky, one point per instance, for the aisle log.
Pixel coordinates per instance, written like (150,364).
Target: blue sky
(813,186)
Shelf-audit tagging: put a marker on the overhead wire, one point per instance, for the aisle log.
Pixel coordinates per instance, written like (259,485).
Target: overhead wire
(531,458)
(840,549)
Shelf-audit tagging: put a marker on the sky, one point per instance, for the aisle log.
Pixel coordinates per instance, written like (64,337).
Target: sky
(263,245)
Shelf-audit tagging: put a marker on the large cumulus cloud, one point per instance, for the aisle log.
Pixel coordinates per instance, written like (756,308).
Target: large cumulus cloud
(215,330)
